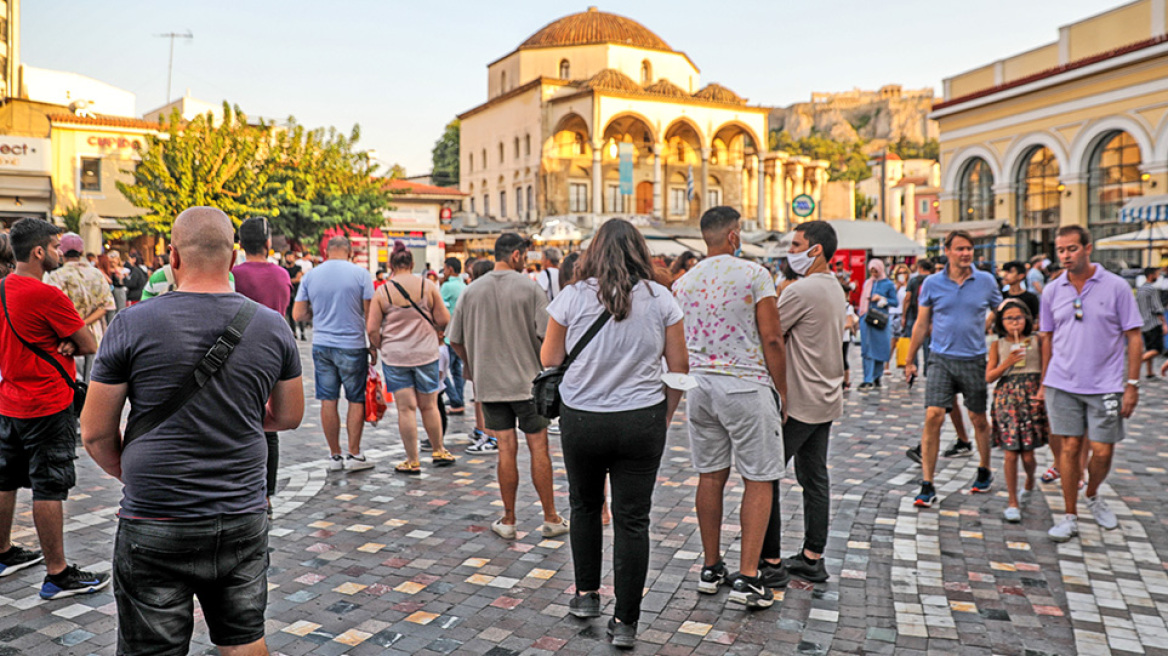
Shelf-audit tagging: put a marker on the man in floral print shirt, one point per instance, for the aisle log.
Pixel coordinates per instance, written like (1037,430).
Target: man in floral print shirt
(87,288)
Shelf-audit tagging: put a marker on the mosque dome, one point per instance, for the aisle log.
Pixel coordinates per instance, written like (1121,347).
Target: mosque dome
(613,80)
(664,87)
(719,93)
(595,26)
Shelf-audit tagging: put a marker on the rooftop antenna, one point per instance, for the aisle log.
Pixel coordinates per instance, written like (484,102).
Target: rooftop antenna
(170,67)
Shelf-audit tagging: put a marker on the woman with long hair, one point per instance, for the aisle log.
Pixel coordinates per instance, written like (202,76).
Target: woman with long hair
(875,343)
(403,323)
(683,264)
(615,411)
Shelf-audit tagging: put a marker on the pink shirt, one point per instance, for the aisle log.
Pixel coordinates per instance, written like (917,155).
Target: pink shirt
(407,339)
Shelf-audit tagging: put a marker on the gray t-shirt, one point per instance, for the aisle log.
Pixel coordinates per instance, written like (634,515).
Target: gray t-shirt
(501,319)
(620,369)
(208,458)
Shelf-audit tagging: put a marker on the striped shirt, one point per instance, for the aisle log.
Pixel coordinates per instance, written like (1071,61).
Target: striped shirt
(1151,309)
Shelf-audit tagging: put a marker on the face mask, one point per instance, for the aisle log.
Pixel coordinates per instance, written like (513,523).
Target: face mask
(901,278)
(738,249)
(800,262)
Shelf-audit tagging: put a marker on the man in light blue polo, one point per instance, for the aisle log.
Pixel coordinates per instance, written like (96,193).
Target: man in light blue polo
(956,304)
(1088,320)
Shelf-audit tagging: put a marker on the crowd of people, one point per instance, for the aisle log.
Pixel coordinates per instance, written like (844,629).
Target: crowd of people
(209,364)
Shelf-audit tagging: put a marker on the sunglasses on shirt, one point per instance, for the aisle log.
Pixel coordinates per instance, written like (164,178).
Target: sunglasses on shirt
(1078,305)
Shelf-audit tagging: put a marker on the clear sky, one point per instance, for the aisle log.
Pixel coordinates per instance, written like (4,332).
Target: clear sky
(402,70)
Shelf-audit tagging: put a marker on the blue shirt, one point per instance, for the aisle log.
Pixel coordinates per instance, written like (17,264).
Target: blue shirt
(337,290)
(1034,276)
(959,312)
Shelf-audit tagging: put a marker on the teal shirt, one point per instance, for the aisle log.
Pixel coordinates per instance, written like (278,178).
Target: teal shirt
(451,290)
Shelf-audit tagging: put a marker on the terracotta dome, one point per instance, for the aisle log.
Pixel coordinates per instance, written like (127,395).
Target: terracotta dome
(719,93)
(664,87)
(594,26)
(612,79)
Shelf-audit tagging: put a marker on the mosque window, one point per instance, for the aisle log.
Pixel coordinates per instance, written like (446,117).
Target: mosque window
(527,145)
(500,152)
(502,203)
(578,197)
(503,82)
(646,72)
(516,147)
(565,69)
(470,162)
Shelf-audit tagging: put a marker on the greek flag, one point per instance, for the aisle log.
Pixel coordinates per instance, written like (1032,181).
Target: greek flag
(689,193)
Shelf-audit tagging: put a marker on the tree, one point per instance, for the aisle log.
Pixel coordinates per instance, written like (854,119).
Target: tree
(907,149)
(199,163)
(846,159)
(445,156)
(72,215)
(864,206)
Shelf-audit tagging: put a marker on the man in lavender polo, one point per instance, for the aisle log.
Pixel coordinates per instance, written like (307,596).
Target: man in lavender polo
(1087,321)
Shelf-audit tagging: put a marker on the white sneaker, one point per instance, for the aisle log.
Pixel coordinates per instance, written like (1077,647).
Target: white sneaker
(554,530)
(485,444)
(554,427)
(1012,514)
(505,531)
(358,462)
(335,463)
(1064,530)
(1102,514)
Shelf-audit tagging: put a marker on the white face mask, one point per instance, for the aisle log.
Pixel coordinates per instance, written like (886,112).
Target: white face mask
(800,262)
(902,277)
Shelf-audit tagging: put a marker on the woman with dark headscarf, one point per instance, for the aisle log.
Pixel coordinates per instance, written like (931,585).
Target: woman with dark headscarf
(875,343)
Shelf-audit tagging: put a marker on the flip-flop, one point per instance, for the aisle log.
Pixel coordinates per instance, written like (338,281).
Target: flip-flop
(442,458)
(407,467)
(1050,476)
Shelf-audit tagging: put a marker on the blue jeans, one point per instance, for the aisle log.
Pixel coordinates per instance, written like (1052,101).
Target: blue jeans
(456,384)
(337,367)
(160,566)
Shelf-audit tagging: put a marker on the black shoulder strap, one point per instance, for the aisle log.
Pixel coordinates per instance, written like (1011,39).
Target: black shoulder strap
(551,286)
(406,295)
(211,363)
(592,330)
(40,353)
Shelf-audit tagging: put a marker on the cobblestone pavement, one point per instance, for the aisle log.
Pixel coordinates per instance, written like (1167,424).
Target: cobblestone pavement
(372,562)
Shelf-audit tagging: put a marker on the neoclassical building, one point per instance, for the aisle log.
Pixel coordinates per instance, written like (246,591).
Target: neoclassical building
(565,105)
(1062,134)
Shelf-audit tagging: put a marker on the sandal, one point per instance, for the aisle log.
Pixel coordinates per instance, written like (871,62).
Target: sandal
(443,458)
(407,467)
(1050,476)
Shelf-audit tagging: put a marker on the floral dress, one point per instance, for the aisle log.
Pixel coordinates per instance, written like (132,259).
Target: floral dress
(1019,422)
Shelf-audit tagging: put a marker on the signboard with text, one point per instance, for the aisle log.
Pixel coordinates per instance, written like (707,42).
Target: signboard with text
(24,155)
(803,205)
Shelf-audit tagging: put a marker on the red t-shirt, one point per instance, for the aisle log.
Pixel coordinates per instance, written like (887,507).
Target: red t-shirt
(43,316)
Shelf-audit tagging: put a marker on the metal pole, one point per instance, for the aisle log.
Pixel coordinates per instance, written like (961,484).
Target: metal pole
(169,69)
(883,184)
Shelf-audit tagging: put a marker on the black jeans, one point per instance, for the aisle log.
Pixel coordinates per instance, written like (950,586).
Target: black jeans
(624,447)
(807,445)
(273,460)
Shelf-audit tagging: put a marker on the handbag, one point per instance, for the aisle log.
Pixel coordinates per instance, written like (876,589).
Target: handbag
(79,388)
(876,317)
(545,389)
(376,402)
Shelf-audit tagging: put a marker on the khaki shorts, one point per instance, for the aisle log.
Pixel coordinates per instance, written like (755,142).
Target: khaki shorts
(1095,416)
(735,419)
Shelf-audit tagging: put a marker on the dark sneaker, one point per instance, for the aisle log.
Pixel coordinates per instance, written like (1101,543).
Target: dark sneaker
(927,497)
(585,605)
(712,578)
(808,570)
(751,592)
(984,480)
(914,453)
(623,636)
(425,445)
(959,450)
(774,576)
(17,558)
(72,581)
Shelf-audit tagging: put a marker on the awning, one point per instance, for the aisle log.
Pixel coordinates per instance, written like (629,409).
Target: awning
(1158,234)
(986,229)
(1145,208)
(875,236)
(699,246)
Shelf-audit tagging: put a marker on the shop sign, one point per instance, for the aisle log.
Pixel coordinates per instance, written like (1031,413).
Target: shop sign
(410,239)
(803,205)
(24,155)
(445,216)
(116,143)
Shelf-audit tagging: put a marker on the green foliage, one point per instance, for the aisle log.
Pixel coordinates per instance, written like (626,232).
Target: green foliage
(445,156)
(303,180)
(864,206)
(862,122)
(72,215)
(847,159)
(906,149)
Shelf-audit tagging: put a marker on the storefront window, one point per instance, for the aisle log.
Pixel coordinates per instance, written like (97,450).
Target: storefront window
(1113,177)
(1038,204)
(90,174)
(975,191)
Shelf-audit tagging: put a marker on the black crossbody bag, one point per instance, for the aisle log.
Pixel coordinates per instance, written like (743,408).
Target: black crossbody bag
(79,388)
(545,389)
(211,363)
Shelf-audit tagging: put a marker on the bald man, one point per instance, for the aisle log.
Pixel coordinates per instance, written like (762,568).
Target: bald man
(194,484)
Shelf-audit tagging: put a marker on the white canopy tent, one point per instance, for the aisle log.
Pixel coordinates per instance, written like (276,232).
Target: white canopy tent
(874,236)
(699,246)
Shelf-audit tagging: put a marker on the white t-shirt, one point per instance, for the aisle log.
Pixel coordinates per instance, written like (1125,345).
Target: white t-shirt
(620,369)
(718,297)
(549,277)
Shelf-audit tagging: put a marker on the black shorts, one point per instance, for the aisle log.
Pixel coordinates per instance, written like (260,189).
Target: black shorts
(950,376)
(1154,339)
(504,415)
(39,453)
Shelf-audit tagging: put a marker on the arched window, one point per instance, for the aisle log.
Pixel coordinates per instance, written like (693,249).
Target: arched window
(470,162)
(646,73)
(1113,177)
(530,201)
(565,69)
(975,191)
(502,203)
(519,202)
(516,147)
(503,82)
(1038,203)
(486,164)
(500,152)
(527,145)
(579,144)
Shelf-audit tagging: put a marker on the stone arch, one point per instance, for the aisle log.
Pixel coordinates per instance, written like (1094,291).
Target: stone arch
(1089,137)
(957,165)
(1160,146)
(746,129)
(639,117)
(572,137)
(683,130)
(1019,152)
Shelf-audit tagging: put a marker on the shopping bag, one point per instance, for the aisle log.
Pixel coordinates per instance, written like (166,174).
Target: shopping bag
(376,398)
(902,345)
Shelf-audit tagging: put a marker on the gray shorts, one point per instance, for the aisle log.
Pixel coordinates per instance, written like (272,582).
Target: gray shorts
(730,416)
(950,376)
(1095,416)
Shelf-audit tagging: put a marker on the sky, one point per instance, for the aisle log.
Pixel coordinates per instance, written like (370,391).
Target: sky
(402,70)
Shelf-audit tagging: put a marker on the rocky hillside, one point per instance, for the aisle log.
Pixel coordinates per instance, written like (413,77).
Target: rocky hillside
(877,117)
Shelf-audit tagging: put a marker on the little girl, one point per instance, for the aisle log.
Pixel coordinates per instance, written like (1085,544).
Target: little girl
(1019,421)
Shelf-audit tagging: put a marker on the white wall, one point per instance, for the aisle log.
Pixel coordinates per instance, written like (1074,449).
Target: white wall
(61,88)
